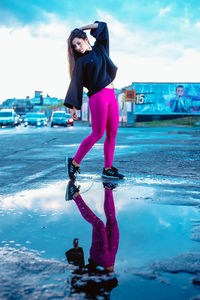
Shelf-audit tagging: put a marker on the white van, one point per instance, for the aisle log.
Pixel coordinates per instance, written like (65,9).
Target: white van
(8,117)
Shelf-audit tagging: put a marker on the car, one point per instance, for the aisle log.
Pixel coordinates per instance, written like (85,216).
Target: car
(8,117)
(61,118)
(35,119)
(22,118)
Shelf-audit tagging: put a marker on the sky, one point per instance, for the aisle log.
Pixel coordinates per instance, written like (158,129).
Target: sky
(150,41)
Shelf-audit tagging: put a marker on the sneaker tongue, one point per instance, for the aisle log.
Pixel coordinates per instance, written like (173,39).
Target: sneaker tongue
(114,169)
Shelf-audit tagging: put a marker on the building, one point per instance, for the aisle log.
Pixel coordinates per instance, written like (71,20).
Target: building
(37,99)
(161,100)
(37,103)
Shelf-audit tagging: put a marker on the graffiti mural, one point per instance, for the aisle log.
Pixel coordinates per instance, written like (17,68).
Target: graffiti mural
(167,98)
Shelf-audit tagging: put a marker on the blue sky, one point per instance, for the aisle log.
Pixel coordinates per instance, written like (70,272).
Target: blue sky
(149,40)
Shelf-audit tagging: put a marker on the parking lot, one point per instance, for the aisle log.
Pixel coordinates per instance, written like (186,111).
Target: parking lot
(157,211)
(9,118)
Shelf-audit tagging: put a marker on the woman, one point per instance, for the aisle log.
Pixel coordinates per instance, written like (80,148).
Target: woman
(92,68)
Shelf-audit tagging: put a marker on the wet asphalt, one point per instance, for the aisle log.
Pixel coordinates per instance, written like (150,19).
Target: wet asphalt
(157,211)
(33,156)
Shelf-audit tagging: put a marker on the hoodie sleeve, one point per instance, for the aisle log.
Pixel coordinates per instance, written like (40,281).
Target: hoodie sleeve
(75,91)
(101,35)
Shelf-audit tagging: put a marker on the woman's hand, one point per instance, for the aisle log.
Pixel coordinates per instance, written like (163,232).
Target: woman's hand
(74,113)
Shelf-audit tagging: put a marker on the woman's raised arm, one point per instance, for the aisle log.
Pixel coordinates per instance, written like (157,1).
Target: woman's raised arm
(90,26)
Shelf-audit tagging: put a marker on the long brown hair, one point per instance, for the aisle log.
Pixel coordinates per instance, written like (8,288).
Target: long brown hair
(72,53)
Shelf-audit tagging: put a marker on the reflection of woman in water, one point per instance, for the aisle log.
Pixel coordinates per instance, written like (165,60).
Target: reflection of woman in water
(105,239)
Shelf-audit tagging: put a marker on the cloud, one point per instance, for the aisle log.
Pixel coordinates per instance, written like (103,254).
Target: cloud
(164,223)
(21,12)
(34,56)
(197,24)
(165,10)
(129,40)
(141,56)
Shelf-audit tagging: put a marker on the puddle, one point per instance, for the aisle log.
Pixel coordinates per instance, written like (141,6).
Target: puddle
(146,240)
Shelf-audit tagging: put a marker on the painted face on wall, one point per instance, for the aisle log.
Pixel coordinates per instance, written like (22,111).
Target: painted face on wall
(179,91)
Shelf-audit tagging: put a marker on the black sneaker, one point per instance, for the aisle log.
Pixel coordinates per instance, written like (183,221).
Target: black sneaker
(109,185)
(71,168)
(71,190)
(112,173)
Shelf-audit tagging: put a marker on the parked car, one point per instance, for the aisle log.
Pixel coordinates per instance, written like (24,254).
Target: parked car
(8,117)
(35,119)
(22,118)
(61,118)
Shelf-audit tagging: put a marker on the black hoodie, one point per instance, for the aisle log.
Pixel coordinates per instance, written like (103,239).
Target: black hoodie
(93,69)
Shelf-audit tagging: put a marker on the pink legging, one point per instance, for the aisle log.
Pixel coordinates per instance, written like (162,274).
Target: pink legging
(104,115)
(105,239)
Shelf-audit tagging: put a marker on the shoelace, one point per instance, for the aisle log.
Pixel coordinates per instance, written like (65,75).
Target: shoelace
(114,169)
(110,185)
(74,189)
(111,172)
(78,170)
(74,169)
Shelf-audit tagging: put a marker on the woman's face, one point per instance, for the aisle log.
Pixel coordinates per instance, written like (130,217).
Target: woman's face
(80,45)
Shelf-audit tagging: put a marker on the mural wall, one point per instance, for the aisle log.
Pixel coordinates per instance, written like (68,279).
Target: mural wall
(167,98)
(155,98)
